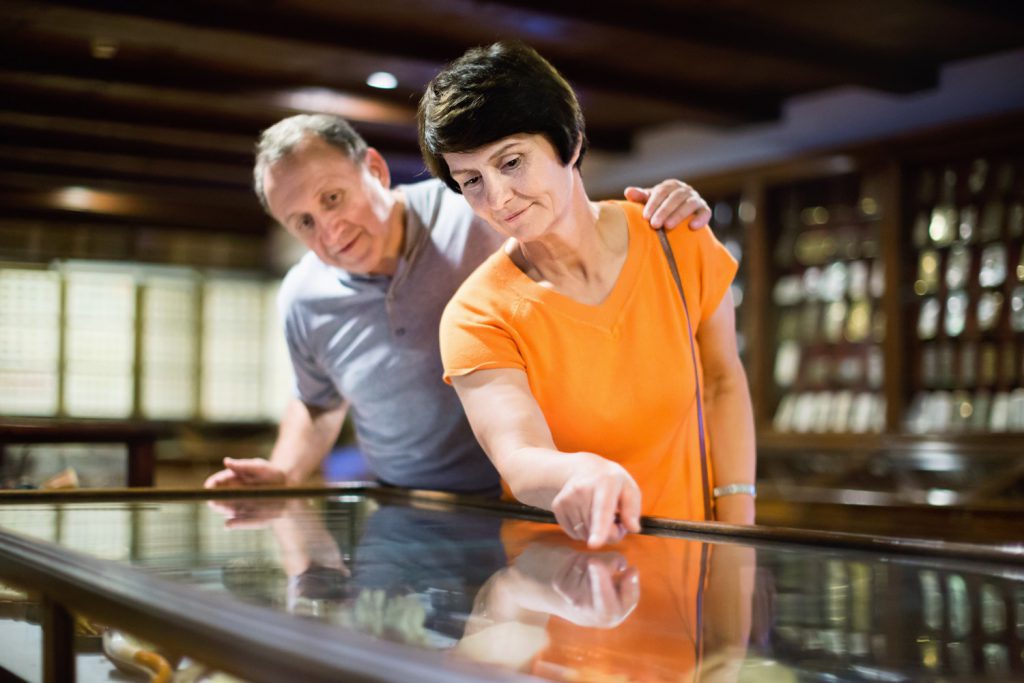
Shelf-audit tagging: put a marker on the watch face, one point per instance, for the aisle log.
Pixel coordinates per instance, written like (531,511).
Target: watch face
(958,267)
(859,273)
(942,227)
(990,305)
(858,324)
(787,364)
(927,273)
(956,313)
(877,281)
(998,420)
(928,318)
(876,368)
(834,282)
(835,318)
(839,420)
(788,290)
(968,223)
(993,266)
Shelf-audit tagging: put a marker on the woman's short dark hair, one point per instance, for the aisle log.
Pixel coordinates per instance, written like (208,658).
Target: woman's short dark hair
(490,93)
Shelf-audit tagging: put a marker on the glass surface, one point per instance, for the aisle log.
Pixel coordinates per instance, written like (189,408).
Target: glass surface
(478,585)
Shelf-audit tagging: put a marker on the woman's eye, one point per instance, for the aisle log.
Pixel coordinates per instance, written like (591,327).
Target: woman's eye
(471,181)
(513,163)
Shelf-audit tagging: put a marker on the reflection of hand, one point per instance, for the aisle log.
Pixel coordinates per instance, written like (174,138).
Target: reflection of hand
(249,513)
(669,203)
(598,590)
(246,472)
(599,503)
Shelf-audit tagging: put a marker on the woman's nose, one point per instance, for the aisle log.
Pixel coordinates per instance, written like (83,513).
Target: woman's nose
(497,193)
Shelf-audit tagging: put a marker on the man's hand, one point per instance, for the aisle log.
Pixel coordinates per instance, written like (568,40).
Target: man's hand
(598,504)
(246,472)
(670,202)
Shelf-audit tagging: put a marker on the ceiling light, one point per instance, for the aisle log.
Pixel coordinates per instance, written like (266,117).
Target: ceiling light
(382,80)
(103,48)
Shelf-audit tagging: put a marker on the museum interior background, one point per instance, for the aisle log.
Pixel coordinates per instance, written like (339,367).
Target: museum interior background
(864,161)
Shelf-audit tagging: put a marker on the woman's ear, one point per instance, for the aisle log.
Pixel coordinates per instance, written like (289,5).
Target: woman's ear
(576,151)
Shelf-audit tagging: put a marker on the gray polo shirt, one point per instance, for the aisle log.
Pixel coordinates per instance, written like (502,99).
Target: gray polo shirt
(373,340)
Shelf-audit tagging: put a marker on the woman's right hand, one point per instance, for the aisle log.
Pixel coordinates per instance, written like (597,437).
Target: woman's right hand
(599,503)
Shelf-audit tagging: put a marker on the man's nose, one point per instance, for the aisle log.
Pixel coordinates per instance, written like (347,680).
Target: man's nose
(330,230)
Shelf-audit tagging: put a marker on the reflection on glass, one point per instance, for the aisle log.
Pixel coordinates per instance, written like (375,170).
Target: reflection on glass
(958,267)
(959,606)
(472,583)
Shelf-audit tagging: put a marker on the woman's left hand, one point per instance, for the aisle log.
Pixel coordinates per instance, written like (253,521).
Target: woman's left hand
(669,203)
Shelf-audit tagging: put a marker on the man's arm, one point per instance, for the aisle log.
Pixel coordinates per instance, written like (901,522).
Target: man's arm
(730,416)
(670,202)
(304,438)
(594,499)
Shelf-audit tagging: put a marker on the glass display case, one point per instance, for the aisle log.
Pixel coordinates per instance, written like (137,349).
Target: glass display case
(377,584)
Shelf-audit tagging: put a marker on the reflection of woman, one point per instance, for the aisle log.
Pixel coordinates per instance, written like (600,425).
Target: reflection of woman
(569,348)
(657,609)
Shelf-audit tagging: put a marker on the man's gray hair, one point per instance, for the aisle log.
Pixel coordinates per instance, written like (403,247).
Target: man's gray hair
(283,137)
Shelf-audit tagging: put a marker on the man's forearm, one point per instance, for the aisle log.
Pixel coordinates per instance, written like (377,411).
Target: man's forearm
(305,436)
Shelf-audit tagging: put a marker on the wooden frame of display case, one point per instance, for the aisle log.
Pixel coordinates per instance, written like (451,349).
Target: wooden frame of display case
(882,164)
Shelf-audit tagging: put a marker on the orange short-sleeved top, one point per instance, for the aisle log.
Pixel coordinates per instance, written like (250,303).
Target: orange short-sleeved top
(615,379)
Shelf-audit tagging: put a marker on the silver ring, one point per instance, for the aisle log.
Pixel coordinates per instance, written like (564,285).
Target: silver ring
(578,526)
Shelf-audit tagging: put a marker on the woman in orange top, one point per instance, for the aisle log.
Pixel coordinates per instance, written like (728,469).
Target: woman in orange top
(570,347)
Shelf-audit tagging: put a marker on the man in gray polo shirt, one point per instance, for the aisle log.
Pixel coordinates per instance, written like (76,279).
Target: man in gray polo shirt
(361,309)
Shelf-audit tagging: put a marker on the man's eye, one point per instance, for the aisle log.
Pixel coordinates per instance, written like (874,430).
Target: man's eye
(306,223)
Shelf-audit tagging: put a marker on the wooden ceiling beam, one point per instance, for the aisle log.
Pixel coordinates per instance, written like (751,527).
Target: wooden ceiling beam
(126,166)
(423,54)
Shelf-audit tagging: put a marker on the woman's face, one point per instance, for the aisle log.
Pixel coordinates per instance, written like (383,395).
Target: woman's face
(518,184)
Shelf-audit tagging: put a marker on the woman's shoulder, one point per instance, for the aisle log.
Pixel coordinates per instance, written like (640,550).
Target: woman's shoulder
(490,290)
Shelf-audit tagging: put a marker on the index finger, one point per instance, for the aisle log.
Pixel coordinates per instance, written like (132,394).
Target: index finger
(629,507)
(602,516)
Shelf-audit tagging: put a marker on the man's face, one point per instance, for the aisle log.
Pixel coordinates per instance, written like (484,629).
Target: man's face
(336,207)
